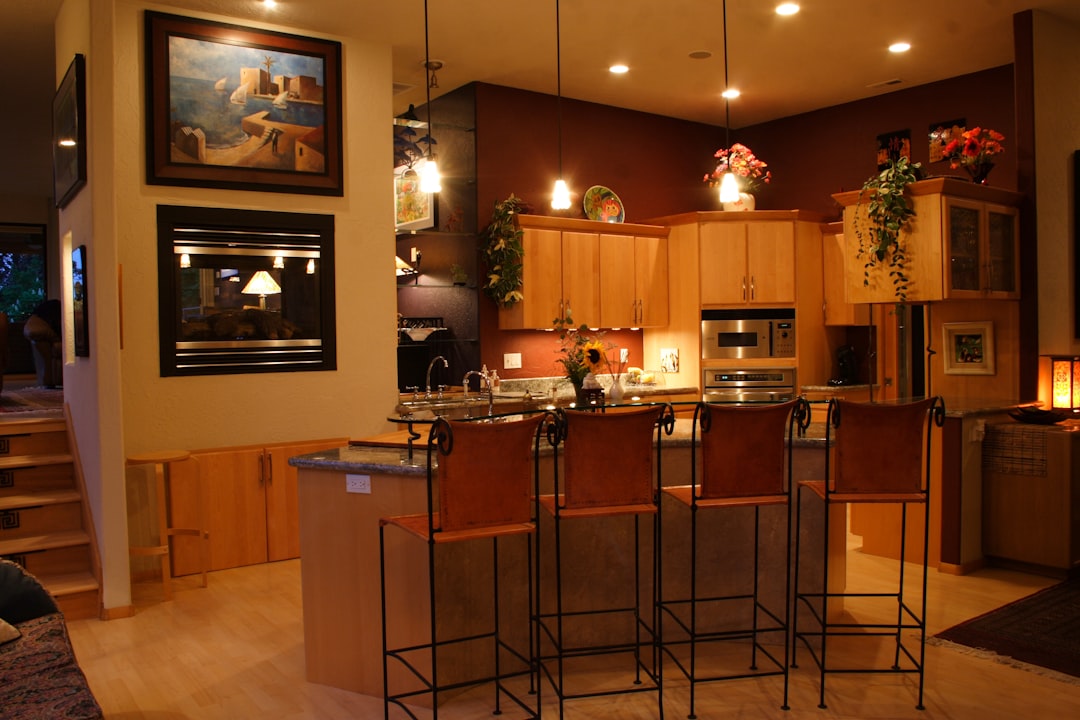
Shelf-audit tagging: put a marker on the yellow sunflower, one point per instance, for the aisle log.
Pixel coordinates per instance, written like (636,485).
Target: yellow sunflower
(593,354)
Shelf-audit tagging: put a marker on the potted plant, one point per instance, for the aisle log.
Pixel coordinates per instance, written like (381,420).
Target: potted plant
(888,212)
(503,252)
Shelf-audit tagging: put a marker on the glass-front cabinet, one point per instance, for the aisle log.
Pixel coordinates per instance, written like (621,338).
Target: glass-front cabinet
(981,255)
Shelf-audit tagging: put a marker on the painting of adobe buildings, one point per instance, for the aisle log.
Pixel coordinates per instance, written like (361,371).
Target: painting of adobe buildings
(241,108)
(246,107)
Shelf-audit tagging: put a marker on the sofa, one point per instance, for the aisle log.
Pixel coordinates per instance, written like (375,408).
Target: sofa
(40,679)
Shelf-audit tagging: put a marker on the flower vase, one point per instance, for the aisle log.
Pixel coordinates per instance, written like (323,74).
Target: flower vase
(616,392)
(744,203)
(979,172)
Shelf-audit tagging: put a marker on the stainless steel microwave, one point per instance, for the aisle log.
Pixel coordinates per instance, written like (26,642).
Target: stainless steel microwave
(748,333)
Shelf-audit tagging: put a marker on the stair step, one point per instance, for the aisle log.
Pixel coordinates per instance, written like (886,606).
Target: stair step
(32,425)
(63,584)
(12,462)
(47,497)
(49,541)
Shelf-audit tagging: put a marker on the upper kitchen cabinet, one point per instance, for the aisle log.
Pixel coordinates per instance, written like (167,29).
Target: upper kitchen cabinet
(565,273)
(633,280)
(961,244)
(748,262)
(838,311)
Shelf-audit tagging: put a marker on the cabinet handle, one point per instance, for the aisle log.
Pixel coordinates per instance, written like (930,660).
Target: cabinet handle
(753,290)
(262,472)
(640,312)
(744,287)
(270,468)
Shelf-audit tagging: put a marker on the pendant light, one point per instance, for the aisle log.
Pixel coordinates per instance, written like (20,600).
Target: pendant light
(560,197)
(729,184)
(430,181)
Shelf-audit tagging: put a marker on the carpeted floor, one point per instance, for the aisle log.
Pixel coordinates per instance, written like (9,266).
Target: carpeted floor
(1042,629)
(38,400)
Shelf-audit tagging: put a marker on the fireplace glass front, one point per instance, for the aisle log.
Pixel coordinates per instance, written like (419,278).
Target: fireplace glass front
(245,291)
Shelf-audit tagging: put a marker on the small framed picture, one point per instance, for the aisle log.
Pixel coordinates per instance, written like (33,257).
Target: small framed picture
(69,133)
(969,348)
(414,209)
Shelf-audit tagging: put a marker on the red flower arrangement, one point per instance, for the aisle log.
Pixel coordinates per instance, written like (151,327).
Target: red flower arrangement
(751,172)
(974,147)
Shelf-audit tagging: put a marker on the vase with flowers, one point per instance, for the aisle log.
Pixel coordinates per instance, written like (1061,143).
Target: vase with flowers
(750,172)
(973,151)
(584,356)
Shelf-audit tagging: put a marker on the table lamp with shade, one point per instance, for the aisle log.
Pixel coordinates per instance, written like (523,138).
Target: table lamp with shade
(261,284)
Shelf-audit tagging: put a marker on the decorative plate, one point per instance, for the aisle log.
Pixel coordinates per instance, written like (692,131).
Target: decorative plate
(603,205)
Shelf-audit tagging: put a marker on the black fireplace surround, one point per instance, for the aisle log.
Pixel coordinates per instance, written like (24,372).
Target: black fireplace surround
(245,291)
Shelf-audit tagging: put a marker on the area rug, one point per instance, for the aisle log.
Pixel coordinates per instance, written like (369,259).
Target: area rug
(1041,630)
(37,400)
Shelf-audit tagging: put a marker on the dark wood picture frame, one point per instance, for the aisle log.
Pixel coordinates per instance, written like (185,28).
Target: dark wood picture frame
(69,133)
(224,122)
(79,298)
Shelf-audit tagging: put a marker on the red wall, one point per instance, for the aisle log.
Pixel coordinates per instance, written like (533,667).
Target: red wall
(655,165)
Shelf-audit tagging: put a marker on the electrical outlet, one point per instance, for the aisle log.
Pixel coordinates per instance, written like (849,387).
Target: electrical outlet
(624,355)
(412,255)
(511,361)
(358,484)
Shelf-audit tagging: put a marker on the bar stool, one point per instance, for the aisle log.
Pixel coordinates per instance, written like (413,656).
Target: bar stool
(162,460)
(745,463)
(484,472)
(879,453)
(608,461)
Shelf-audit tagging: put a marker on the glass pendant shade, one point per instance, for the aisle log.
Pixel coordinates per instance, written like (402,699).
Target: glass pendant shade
(729,188)
(560,197)
(430,180)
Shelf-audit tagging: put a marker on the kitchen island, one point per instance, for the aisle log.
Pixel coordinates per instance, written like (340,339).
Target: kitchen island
(339,542)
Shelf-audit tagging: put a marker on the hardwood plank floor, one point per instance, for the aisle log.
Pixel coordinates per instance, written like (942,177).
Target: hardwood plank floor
(235,650)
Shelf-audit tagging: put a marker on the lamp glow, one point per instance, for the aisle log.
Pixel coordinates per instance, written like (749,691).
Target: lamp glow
(560,197)
(185,260)
(1065,383)
(430,180)
(729,188)
(311,266)
(261,284)
(279,262)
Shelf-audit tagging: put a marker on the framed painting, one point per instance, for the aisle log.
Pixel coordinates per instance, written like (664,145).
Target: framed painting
(941,134)
(69,133)
(239,108)
(413,208)
(969,348)
(893,146)
(81,316)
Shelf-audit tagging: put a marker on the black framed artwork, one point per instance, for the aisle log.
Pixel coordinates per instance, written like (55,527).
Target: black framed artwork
(241,108)
(69,133)
(79,297)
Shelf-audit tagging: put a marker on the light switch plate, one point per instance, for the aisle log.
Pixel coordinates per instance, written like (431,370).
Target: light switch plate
(358,484)
(511,361)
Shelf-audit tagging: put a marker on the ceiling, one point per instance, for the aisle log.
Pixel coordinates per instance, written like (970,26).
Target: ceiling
(832,52)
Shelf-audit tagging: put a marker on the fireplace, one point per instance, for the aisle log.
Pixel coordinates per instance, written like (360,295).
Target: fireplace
(244,291)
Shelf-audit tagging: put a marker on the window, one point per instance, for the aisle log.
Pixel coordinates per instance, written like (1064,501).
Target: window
(22,269)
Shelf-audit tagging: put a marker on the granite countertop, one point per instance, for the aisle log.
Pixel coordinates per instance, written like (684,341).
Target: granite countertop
(397,460)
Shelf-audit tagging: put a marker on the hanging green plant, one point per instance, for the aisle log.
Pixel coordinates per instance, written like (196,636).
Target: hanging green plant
(503,252)
(888,212)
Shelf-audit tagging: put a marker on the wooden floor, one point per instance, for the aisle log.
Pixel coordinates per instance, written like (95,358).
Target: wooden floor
(235,650)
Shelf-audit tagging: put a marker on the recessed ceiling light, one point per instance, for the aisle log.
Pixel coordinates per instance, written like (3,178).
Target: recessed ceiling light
(618,69)
(270,4)
(788,8)
(730,94)
(700,55)
(899,47)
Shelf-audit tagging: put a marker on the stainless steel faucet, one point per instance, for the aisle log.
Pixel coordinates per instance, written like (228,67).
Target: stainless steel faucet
(431,364)
(484,380)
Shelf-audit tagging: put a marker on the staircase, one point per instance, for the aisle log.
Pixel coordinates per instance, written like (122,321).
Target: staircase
(45,525)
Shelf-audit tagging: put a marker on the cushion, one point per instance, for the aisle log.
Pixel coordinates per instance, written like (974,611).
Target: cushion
(22,597)
(8,633)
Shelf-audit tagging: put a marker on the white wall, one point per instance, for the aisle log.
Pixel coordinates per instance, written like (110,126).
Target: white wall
(1057,136)
(120,404)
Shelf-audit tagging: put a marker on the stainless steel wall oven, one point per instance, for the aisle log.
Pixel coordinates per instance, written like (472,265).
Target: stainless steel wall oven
(748,386)
(748,333)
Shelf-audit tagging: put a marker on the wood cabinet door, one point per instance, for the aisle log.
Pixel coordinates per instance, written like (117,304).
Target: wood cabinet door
(651,281)
(964,261)
(580,278)
(1002,233)
(838,311)
(618,292)
(541,282)
(770,252)
(723,264)
(233,509)
(283,496)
